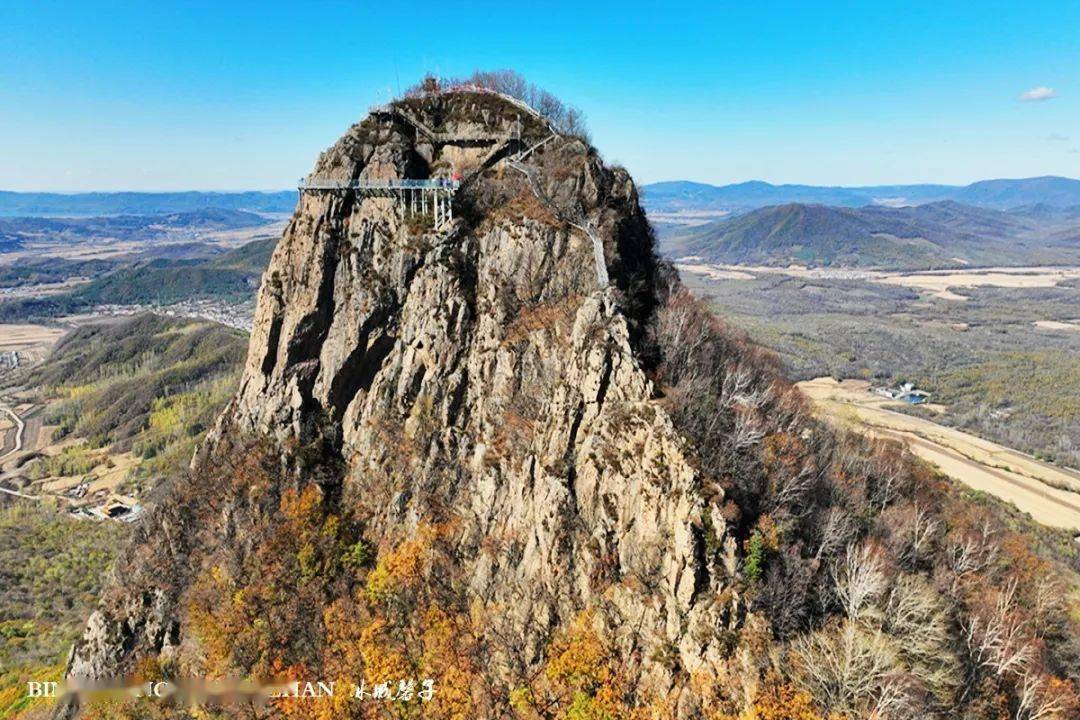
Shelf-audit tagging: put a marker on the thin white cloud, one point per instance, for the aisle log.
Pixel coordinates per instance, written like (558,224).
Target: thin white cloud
(1057,138)
(1037,94)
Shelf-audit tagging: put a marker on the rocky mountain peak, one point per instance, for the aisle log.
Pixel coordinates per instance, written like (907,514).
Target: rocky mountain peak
(481,369)
(483,437)
(538,223)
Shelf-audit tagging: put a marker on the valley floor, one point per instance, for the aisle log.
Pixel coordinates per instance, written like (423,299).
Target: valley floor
(998,351)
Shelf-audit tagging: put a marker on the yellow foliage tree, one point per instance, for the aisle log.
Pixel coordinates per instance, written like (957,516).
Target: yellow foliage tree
(777,700)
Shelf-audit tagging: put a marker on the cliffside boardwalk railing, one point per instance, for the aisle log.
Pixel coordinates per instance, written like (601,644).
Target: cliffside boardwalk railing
(437,194)
(576,219)
(434,196)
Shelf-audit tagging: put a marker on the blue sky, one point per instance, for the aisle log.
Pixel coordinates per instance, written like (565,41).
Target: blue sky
(233,95)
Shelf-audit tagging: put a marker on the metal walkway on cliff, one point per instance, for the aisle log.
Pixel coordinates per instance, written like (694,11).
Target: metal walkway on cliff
(433,196)
(575,218)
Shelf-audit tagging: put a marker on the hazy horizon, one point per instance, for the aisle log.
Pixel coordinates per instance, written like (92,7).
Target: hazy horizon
(228,191)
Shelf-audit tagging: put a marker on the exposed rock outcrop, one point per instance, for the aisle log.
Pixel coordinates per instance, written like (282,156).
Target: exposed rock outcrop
(478,372)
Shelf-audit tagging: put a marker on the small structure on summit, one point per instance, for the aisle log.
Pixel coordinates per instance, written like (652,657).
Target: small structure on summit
(451,142)
(446,137)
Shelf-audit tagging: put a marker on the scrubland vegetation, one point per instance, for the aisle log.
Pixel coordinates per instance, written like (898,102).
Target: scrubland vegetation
(52,569)
(888,593)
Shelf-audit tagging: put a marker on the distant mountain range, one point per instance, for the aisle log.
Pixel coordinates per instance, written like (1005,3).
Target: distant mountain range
(140,203)
(679,195)
(938,234)
(16,232)
(662,197)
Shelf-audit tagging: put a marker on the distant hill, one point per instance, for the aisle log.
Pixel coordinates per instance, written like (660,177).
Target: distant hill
(252,257)
(33,271)
(679,195)
(940,234)
(123,227)
(139,203)
(233,275)
(1053,191)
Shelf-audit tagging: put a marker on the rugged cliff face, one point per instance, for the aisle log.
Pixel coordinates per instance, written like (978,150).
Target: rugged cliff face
(481,372)
(506,451)
(478,373)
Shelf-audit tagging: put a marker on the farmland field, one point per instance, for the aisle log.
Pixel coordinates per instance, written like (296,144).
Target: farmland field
(1002,362)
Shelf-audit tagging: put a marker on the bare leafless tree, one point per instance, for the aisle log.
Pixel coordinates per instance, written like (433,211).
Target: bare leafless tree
(1033,702)
(859,581)
(923,528)
(916,616)
(998,639)
(836,531)
(971,553)
(849,669)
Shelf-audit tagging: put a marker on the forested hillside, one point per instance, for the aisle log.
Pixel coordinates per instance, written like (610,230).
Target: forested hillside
(232,276)
(151,386)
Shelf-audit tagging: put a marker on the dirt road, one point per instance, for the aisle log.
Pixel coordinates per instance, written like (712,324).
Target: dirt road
(1050,494)
(20,428)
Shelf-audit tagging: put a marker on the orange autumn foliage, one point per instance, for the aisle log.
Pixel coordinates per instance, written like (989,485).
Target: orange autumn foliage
(777,700)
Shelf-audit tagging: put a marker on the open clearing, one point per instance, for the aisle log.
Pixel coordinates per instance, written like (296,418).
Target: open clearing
(714,272)
(1050,494)
(106,476)
(1057,325)
(17,337)
(940,284)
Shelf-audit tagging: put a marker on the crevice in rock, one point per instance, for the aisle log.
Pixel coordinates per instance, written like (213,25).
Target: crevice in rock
(605,377)
(454,415)
(701,565)
(272,341)
(568,458)
(358,371)
(415,383)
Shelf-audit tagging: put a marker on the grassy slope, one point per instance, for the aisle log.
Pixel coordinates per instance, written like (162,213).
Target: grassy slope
(149,384)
